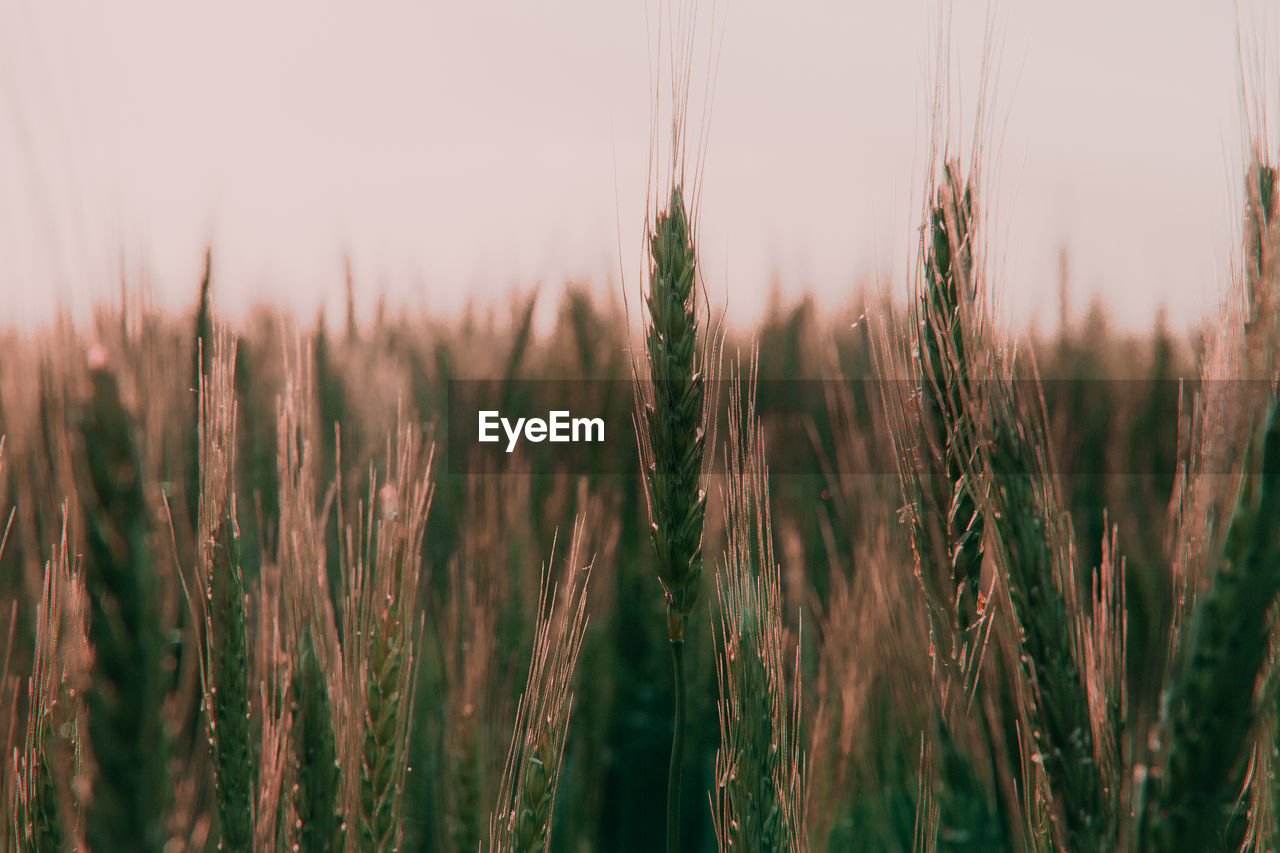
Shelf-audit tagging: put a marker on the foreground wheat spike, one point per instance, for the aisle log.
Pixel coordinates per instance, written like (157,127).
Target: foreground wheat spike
(988,475)
(1238,368)
(521,823)
(673,418)
(672,441)
(949,328)
(933,421)
(381,635)
(1031,536)
(384,750)
(1210,708)
(1262,300)
(131,791)
(320,709)
(934,431)
(759,799)
(221,591)
(979,477)
(1241,356)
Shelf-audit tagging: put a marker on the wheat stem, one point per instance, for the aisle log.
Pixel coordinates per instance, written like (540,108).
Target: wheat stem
(677,750)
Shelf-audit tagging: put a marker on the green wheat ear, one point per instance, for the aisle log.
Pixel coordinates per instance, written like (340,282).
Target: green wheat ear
(758,804)
(947,522)
(673,418)
(226,658)
(1210,707)
(381,772)
(672,441)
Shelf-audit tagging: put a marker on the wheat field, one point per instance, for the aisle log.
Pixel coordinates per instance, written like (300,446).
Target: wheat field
(897,577)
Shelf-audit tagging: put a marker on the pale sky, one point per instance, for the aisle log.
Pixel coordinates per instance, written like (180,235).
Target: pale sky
(457,150)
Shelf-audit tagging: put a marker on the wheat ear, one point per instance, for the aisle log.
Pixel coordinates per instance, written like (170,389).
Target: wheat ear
(672,440)
(225,656)
(758,804)
(383,568)
(131,790)
(526,801)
